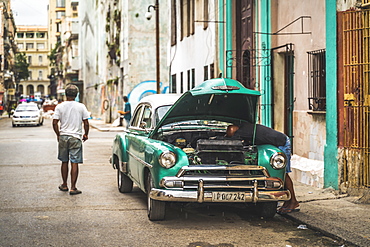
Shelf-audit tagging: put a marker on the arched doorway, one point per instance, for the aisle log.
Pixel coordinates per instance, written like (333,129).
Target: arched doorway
(20,89)
(41,89)
(30,90)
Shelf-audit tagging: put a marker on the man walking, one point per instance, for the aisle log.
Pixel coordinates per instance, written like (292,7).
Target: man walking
(126,113)
(71,114)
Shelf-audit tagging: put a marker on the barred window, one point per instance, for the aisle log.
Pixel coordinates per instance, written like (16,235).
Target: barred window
(317,80)
(173,84)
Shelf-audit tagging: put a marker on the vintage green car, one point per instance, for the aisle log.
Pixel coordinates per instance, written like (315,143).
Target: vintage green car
(175,151)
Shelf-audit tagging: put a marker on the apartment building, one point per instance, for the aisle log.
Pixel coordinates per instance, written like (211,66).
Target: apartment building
(63,42)
(7,51)
(33,41)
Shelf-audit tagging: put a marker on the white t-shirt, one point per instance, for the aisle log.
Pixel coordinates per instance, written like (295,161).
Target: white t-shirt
(70,114)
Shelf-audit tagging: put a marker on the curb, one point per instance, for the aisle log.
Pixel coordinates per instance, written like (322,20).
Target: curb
(318,229)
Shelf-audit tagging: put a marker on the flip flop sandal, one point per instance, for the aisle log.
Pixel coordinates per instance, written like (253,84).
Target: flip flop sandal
(75,192)
(289,210)
(281,209)
(62,188)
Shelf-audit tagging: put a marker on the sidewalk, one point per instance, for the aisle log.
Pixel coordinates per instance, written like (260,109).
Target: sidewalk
(324,210)
(335,215)
(102,126)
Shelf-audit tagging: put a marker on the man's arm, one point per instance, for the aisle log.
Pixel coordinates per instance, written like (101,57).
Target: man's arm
(86,129)
(56,127)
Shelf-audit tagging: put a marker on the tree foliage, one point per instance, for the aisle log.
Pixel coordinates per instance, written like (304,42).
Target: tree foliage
(21,66)
(54,54)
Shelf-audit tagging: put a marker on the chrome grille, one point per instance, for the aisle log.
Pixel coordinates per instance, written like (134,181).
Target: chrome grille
(238,177)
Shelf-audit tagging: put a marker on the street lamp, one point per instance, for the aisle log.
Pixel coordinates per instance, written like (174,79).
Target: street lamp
(148,15)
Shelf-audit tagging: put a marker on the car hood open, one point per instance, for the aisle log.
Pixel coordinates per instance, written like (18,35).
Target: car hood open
(219,99)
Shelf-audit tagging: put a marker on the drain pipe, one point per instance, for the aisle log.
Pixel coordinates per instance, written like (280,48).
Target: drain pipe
(221,35)
(229,34)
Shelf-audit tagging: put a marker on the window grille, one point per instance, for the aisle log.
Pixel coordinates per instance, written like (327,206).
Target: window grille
(317,80)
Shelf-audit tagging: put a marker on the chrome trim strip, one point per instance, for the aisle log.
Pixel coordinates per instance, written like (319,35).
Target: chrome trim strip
(214,178)
(140,160)
(216,187)
(192,196)
(184,169)
(211,182)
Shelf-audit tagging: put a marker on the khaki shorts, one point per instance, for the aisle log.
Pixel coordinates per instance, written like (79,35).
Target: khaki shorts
(70,149)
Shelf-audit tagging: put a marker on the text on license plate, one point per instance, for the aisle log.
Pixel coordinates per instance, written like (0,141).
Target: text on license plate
(228,196)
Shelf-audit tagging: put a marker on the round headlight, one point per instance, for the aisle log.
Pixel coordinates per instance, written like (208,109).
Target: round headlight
(167,159)
(278,161)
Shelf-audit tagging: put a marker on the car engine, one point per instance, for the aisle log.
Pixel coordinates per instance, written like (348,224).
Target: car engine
(211,148)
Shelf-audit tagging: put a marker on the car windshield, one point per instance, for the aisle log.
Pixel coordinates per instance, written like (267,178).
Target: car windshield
(160,112)
(23,108)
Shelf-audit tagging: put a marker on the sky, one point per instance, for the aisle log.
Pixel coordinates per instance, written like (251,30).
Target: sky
(30,12)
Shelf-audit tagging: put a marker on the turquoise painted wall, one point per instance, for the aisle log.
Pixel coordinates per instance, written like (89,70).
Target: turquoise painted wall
(265,73)
(331,148)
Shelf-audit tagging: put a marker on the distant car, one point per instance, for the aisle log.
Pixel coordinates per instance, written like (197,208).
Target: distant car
(175,151)
(27,114)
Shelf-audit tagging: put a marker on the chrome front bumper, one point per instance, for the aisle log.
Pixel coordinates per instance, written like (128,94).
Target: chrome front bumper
(206,196)
(26,121)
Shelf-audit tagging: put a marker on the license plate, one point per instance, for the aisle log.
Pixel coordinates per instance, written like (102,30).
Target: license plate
(228,196)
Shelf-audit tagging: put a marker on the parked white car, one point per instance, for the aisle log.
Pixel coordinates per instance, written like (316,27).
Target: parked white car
(27,114)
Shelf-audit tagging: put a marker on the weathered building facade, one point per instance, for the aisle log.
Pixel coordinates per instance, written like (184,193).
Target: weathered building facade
(192,53)
(118,53)
(33,41)
(8,48)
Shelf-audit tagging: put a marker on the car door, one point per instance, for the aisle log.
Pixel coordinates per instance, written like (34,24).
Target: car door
(138,141)
(146,153)
(133,144)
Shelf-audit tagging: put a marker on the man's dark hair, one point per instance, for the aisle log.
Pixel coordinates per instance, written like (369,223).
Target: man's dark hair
(71,91)
(125,98)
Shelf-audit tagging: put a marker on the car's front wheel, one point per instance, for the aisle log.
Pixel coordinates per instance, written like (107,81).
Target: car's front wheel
(124,182)
(156,209)
(267,210)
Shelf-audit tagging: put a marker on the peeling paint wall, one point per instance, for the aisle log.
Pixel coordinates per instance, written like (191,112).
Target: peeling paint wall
(308,129)
(309,136)
(139,43)
(89,55)
(107,79)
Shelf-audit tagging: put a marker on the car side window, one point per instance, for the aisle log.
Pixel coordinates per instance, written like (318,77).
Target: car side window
(136,119)
(147,116)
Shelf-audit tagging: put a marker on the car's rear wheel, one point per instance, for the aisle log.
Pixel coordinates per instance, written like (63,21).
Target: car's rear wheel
(267,209)
(156,209)
(124,182)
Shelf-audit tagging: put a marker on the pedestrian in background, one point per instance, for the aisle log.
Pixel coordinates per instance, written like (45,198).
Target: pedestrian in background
(126,113)
(71,114)
(1,108)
